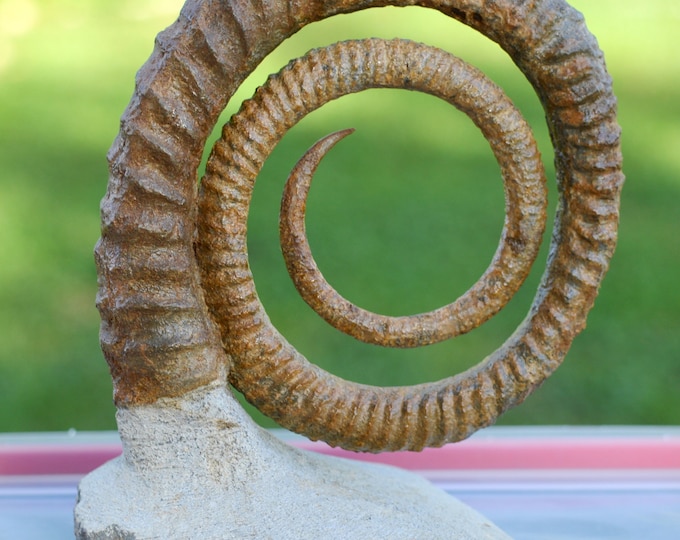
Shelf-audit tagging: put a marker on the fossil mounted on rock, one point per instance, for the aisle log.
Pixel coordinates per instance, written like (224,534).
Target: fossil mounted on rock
(180,314)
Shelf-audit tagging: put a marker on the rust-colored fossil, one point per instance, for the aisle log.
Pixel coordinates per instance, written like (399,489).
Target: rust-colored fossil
(178,306)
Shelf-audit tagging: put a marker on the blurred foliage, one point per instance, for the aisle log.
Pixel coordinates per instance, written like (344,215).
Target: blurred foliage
(404,215)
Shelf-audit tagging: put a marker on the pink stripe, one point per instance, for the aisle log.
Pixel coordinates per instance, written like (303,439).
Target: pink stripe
(473,454)
(29,459)
(529,454)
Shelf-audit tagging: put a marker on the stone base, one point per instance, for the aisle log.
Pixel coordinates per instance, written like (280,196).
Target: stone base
(198,467)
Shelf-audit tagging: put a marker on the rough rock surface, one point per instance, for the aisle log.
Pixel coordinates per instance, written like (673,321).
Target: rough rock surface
(198,467)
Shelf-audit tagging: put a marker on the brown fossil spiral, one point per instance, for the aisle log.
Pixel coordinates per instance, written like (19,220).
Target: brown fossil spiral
(404,64)
(173,321)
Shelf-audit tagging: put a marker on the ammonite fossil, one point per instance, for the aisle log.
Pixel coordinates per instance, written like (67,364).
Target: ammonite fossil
(178,303)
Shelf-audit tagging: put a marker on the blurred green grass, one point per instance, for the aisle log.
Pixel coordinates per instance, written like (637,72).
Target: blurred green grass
(66,74)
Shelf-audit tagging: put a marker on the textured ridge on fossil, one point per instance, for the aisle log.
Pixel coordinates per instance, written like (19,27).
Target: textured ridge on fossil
(157,334)
(295,391)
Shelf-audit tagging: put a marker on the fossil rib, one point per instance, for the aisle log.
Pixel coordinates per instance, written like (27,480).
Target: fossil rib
(526,197)
(157,333)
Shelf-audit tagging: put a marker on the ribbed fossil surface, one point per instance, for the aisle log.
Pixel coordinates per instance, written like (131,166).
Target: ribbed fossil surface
(178,303)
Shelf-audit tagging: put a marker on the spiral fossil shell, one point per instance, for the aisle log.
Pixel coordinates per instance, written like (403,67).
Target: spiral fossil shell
(404,64)
(173,321)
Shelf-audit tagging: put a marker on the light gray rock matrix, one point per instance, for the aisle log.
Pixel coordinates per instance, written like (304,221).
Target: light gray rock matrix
(198,467)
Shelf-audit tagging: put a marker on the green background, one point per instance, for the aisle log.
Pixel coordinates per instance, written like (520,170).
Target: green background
(403,217)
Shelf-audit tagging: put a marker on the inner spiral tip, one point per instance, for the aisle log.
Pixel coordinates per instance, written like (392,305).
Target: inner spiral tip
(301,175)
(330,140)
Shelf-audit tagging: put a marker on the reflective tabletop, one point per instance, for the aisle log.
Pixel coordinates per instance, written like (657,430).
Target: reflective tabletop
(544,502)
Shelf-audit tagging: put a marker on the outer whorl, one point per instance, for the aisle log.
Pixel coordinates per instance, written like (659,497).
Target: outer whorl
(174,321)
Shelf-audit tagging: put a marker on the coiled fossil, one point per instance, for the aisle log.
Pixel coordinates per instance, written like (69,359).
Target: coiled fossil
(174,319)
